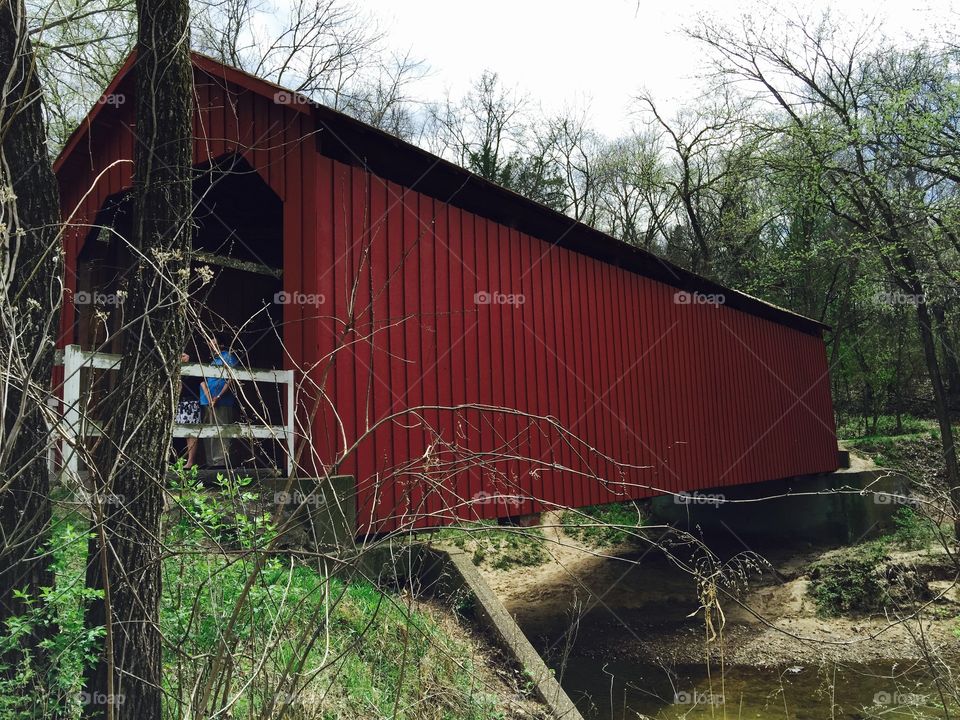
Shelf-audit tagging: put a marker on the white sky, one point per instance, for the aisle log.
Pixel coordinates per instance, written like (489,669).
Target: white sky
(591,52)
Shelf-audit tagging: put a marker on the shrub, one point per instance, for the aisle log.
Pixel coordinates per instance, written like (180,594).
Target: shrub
(914,531)
(29,690)
(850,581)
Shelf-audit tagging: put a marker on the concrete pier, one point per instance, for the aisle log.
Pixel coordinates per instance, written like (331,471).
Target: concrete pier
(844,507)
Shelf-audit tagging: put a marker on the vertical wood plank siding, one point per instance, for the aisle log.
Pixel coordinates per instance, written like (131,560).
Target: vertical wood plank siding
(428,305)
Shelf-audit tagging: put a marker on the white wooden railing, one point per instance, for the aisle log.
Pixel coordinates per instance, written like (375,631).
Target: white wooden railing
(75,425)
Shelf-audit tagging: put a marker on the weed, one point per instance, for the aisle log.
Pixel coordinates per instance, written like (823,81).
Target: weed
(496,547)
(885,426)
(914,531)
(602,525)
(850,581)
(29,689)
(363,652)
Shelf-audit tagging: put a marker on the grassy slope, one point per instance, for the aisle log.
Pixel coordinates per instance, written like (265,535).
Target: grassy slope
(324,647)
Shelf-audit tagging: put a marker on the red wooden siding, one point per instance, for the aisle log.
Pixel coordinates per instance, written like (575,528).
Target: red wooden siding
(654,395)
(698,395)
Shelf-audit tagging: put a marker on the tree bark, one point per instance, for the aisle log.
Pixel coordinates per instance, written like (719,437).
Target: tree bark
(951,364)
(125,552)
(31,271)
(941,403)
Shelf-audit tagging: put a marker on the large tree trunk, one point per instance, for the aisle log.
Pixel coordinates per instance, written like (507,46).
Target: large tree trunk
(125,557)
(951,364)
(31,271)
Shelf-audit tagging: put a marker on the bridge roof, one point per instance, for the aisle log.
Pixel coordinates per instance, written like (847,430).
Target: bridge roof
(351,141)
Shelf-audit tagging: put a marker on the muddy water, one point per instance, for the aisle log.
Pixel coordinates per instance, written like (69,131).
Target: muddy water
(624,690)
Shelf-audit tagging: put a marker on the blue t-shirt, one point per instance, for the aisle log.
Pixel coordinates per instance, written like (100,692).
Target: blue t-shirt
(215,384)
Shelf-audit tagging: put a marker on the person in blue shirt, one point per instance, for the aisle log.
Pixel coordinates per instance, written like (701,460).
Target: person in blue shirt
(218,401)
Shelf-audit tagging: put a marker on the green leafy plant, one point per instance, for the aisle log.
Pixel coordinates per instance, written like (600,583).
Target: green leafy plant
(602,525)
(372,653)
(850,581)
(227,514)
(914,531)
(31,689)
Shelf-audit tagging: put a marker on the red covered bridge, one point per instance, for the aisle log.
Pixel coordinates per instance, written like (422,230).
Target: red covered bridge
(459,350)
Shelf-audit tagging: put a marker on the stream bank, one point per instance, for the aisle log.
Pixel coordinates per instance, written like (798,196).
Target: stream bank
(624,629)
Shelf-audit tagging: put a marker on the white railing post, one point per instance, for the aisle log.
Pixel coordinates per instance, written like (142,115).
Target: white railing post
(72,435)
(53,442)
(291,420)
(74,427)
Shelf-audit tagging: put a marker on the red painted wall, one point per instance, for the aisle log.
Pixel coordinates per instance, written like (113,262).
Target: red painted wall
(661,395)
(653,395)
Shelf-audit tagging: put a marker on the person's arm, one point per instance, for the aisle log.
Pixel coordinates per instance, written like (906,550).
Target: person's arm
(229,361)
(224,390)
(206,391)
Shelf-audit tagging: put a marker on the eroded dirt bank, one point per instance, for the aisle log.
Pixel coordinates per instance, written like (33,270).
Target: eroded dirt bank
(636,603)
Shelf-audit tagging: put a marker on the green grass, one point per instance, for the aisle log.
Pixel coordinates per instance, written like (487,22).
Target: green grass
(853,428)
(325,647)
(374,653)
(363,652)
(602,526)
(913,530)
(915,454)
(500,548)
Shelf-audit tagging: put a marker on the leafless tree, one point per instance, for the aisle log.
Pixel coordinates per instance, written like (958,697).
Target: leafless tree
(637,204)
(576,149)
(330,51)
(482,129)
(709,170)
(80,45)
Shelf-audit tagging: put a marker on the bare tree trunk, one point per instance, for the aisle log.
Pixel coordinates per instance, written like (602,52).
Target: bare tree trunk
(125,558)
(31,271)
(928,340)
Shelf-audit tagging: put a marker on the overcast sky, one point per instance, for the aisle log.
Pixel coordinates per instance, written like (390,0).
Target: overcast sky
(596,52)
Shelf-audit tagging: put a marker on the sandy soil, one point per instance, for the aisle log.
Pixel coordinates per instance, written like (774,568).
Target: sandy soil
(636,603)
